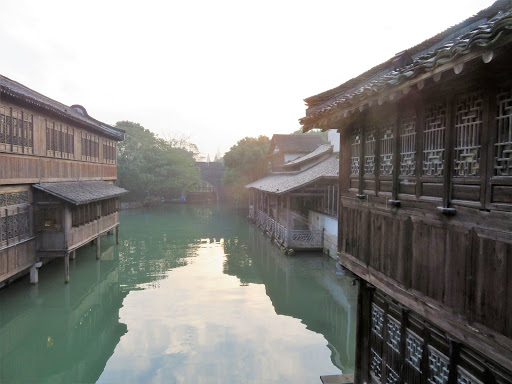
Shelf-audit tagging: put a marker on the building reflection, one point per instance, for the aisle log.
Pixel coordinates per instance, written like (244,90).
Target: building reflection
(326,303)
(52,333)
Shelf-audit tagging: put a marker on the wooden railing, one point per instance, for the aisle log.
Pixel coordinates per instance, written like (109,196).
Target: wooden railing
(306,239)
(299,239)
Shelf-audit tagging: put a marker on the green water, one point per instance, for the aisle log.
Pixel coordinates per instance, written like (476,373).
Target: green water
(193,294)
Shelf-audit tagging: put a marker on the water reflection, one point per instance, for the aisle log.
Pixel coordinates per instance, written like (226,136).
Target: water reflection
(305,287)
(192,294)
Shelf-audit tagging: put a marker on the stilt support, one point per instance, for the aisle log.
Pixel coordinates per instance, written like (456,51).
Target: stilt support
(73,255)
(117,234)
(34,273)
(98,246)
(66,268)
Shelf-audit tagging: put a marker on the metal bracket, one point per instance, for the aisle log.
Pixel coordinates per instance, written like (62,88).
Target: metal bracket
(447,211)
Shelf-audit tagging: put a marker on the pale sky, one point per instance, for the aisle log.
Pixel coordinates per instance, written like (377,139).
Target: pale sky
(215,71)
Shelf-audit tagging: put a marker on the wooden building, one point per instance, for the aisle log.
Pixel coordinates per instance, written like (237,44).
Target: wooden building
(57,175)
(297,203)
(286,148)
(425,209)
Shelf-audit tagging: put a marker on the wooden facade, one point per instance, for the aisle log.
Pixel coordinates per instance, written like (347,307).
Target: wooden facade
(43,141)
(286,204)
(425,218)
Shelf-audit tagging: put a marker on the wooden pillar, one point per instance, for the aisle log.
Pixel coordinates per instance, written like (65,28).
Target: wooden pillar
(98,247)
(362,360)
(288,220)
(278,201)
(66,268)
(73,255)
(117,234)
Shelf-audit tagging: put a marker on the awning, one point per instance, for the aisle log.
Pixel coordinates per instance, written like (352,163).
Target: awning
(81,192)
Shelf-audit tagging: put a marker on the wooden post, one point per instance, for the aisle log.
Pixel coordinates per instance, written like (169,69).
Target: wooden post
(362,333)
(73,255)
(288,220)
(66,268)
(98,247)
(117,234)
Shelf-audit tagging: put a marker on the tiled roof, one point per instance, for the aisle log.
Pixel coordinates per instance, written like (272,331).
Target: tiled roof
(279,183)
(76,113)
(321,150)
(487,28)
(81,192)
(296,143)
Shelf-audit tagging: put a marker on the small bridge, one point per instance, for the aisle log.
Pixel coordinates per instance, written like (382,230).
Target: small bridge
(212,189)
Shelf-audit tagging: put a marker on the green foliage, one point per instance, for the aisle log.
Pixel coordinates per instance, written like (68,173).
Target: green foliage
(245,162)
(147,164)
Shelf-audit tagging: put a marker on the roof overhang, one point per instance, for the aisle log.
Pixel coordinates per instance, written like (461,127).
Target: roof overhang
(485,42)
(81,192)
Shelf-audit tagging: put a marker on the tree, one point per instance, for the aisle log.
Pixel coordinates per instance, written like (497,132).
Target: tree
(245,162)
(147,164)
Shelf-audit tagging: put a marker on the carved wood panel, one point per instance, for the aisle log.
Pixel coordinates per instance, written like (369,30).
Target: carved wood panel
(468,128)
(503,144)
(408,144)
(434,140)
(356,152)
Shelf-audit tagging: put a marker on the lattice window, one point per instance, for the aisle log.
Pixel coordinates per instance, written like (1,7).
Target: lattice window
(503,144)
(369,152)
(434,140)
(468,127)
(3,229)
(413,350)
(375,365)
(377,320)
(356,152)
(48,137)
(438,367)
(394,334)
(386,150)
(2,126)
(464,377)
(408,144)
(392,377)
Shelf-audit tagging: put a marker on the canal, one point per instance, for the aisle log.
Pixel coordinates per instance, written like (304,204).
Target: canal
(193,294)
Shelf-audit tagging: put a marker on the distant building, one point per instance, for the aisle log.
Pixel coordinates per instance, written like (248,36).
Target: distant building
(425,208)
(296,203)
(57,179)
(285,148)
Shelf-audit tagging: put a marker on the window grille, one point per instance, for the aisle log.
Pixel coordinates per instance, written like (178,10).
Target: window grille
(386,150)
(468,127)
(369,152)
(3,126)
(408,144)
(434,140)
(438,367)
(356,152)
(503,144)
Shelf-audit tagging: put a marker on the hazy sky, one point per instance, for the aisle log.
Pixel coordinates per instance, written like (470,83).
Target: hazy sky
(216,70)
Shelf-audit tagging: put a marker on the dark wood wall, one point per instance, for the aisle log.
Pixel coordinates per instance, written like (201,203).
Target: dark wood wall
(426,201)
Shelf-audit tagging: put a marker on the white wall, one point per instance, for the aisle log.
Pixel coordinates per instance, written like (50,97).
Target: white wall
(334,139)
(319,221)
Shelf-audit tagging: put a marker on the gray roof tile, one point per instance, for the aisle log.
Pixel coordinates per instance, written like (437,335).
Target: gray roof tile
(81,192)
(279,183)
